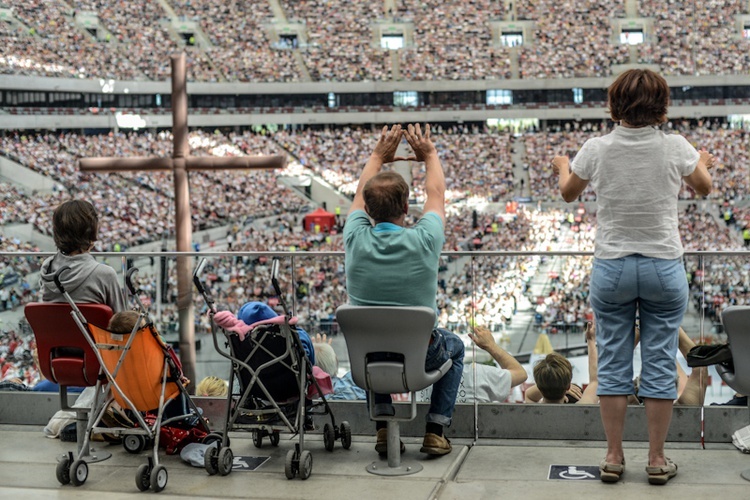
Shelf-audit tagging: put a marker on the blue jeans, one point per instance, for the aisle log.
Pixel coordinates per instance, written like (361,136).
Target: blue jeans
(445,345)
(657,290)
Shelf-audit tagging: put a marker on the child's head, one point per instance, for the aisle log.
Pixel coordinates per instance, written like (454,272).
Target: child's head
(639,97)
(252,312)
(553,375)
(123,322)
(325,358)
(75,226)
(211,387)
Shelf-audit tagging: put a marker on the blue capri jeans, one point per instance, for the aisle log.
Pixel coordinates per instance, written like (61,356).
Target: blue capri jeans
(657,290)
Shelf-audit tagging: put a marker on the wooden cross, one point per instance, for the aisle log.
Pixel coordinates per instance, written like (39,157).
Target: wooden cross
(180,163)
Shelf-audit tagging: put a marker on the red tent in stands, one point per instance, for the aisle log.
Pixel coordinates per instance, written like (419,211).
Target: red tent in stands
(325,220)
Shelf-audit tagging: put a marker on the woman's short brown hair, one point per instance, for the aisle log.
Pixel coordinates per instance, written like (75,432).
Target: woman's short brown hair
(553,375)
(640,97)
(75,226)
(386,195)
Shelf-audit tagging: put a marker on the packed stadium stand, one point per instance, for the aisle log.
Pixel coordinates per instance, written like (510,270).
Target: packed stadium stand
(506,84)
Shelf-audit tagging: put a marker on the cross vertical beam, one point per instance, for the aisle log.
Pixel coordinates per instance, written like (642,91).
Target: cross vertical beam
(183,220)
(180,164)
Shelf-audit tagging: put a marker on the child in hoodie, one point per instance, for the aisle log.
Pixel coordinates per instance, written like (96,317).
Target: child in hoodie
(75,226)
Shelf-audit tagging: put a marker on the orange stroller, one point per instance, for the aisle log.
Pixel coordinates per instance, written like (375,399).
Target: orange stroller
(138,372)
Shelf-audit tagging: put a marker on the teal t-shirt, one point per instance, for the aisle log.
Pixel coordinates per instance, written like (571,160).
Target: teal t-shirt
(389,265)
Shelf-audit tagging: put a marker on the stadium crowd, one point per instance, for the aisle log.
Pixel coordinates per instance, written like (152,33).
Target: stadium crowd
(452,40)
(136,208)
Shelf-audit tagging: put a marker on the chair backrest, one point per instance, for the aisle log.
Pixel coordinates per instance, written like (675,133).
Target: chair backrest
(65,357)
(399,335)
(736,320)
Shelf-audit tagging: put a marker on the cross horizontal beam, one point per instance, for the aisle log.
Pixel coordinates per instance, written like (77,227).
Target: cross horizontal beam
(123,164)
(153,164)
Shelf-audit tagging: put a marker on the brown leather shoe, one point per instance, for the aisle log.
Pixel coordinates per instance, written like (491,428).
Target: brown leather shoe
(381,445)
(436,445)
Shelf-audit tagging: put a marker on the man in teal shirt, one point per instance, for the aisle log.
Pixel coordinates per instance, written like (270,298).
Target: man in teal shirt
(389,264)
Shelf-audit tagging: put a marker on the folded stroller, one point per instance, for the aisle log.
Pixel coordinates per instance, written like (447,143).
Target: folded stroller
(182,423)
(140,373)
(273,377)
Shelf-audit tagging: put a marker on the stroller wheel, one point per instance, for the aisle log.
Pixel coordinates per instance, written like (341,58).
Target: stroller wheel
(274,437)
(258,438)
(62,471)
(79,472)
(211,461)
(329,437)
(134,443)
(215,437)
(159,478)
(143,477)
(290,469)
(346,434)
(225,460)
(305,464)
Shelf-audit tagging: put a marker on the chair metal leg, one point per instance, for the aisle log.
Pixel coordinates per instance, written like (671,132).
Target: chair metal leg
(395,466)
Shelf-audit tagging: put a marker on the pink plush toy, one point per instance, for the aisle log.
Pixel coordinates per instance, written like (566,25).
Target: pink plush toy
(230,323)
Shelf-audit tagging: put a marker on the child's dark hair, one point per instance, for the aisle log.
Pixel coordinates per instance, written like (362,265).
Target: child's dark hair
(123,322)
(640,97)
(75,226)
(552,375)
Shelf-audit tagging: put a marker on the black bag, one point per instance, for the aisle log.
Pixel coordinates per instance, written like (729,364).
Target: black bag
(705,355)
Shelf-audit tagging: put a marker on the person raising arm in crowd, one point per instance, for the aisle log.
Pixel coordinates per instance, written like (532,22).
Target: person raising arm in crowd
(637,171)
(389,264)
(554,378)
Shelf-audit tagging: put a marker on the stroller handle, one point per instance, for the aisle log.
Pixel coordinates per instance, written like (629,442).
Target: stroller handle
(277,288)
(275,275)
(201,289)
(196,276)
(129,280)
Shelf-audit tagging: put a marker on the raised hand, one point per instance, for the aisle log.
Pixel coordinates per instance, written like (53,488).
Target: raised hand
(482,337)
(387,144)
(420,143)
(707,158)
(559,162)
(321,339)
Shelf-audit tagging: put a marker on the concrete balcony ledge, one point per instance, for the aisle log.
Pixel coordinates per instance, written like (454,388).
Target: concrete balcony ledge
(489,421)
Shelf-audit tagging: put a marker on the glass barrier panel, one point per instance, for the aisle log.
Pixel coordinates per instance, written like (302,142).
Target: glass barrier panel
(531,303)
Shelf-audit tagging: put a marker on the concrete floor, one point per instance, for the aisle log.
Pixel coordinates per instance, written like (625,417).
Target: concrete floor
(487,469)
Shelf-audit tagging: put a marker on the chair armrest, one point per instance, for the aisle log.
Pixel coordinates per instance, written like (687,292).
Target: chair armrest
(726,375)
(435,375)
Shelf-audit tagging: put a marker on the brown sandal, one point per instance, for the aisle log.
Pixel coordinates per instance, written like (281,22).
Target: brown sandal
(660,474)
(610,473)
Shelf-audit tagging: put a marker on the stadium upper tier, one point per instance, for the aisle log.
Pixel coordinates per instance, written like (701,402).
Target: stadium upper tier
(480,165)
(317,40)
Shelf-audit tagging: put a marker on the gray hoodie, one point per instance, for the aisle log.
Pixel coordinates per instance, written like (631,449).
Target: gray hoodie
(87,281)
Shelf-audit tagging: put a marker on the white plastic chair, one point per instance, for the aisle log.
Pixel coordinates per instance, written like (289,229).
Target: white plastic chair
(404,334)
(736,320)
